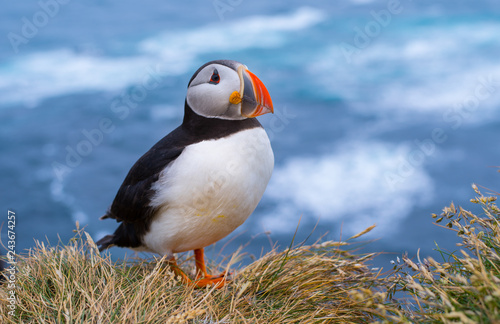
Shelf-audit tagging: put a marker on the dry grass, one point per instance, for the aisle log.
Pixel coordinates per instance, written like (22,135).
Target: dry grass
(321,283)
(465,286)
(307,284)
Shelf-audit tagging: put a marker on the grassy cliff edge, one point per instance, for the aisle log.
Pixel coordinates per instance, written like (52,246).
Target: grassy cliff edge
(319,283)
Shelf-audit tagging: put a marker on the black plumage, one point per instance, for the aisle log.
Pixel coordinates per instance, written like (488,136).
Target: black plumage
(131,205)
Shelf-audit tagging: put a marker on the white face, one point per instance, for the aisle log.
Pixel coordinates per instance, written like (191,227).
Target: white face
(209,92)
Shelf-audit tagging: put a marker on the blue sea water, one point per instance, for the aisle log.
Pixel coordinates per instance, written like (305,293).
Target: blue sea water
(385,111)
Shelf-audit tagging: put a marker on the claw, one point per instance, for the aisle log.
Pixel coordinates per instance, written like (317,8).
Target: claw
(217,282)
(203,279)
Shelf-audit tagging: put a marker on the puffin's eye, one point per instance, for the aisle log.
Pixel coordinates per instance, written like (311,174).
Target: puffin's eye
(215,79)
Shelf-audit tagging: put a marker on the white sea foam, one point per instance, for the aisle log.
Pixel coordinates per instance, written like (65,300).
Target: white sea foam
(179,50)
(165,112)
(361,1)
(426,71)
(42,75)
(349,186)
(256,31)
(60,195)
(31,78)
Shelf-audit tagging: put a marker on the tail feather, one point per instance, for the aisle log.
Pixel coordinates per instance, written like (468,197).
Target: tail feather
(107,215)
(124,236)
(105,242)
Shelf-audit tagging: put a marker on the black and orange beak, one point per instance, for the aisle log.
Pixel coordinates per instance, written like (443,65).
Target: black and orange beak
(256,100)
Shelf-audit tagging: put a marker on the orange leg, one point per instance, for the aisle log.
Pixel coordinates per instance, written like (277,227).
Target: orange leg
(178,272)
(207,280)
(201,271)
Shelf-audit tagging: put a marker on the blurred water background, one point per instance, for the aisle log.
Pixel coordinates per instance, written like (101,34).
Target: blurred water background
(386,111)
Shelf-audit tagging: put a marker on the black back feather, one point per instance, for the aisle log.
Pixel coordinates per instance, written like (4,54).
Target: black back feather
(131,205)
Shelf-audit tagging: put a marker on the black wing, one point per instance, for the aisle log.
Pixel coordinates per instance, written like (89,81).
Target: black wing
(131,205)
(132,200)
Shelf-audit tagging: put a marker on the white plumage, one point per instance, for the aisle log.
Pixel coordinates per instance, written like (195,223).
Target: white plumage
(209,190)
(203,180)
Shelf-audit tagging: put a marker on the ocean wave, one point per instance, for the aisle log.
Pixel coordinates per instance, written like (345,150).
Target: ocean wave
(41,75)
(353,185)
(255,31)
(30,78)
(361,1)
(414,68)
(60,195)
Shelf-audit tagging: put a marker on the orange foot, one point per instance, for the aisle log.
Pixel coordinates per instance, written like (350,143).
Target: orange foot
(203,279)
(216,282)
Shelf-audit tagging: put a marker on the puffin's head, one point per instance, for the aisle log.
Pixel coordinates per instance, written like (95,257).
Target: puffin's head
(226,89)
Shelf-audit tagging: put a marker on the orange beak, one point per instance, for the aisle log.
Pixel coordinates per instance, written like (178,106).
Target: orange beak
(256,100)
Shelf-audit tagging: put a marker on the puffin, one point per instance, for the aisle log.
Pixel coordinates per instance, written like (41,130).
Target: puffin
(204,179)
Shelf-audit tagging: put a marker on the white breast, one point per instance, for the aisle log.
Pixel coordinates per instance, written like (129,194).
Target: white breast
(209,190)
